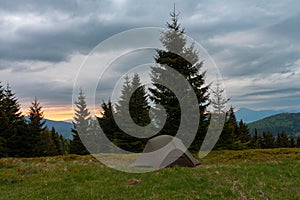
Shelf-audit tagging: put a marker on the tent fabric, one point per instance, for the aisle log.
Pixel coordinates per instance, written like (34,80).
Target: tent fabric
(165,151)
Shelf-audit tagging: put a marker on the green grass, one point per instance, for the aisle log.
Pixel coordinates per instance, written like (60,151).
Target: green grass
(248,174)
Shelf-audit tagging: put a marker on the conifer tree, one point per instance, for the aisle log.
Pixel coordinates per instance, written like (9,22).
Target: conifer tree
(138,110)
(56,141)
(108,126)
(228,137)
(138,104)
(64,145)
(36,127)
(218,100)
(3,151)
(46,144)
(176,48)
(123,104)
(81,124)
(256,140)
(298,142)
(12,124)
(282,140)
(36,117)
(268,140)
(292,142)
(107,122)
(234,135)
(243,135)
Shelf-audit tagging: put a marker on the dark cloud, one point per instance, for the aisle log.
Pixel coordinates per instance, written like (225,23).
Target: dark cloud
(55,45)
(48,91)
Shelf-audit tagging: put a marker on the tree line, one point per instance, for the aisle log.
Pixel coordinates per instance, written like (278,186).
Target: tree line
(174,56)
(21,137)
(235,135)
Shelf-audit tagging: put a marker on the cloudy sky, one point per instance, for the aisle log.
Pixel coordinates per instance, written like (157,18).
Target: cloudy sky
(255,44)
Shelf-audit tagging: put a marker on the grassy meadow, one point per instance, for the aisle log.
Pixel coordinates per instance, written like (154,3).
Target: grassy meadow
(247,174)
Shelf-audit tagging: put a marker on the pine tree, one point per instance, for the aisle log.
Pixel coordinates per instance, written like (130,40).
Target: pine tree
(123,104)
(298,142)
(256,140)
(218,101)
(138,105)
(107,122)
(11,106)
(36,126)
(292,142)
(228,137)
(138,110)
(176,48)
(243,135)
(56,141)
(235,135)
(268,140)
(108,127)
(12,124)
(285,140)
(81,125)
(282,140)
(36,117)
(64,145)
(46,144)
(3,151)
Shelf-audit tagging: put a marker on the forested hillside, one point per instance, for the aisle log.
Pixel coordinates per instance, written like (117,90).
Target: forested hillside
(287,122)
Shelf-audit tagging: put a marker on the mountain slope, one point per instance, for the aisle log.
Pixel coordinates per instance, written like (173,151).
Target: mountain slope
(63,128)
(288,122)
(248,115)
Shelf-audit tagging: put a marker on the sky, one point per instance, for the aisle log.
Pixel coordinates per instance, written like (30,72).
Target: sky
(255,45)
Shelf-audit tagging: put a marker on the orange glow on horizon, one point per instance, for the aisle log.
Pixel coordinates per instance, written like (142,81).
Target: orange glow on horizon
(58,113)
(55,113)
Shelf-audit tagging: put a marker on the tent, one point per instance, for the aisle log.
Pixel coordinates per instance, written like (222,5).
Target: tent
(165,151)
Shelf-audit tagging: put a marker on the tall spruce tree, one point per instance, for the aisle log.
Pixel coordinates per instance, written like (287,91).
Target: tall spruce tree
(138,104)
(107,122)
(3,151)
(227,138)
(81,124)
(36,127)
(235,135)
(218,101)
(138,110)
(172,56)
(12,124)
(243,135)
(108,126)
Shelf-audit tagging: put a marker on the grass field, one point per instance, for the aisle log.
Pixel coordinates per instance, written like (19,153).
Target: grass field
(248,174)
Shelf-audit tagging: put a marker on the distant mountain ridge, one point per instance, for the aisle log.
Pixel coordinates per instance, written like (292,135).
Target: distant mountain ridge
(287,122)
(248,115)
(63,128)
